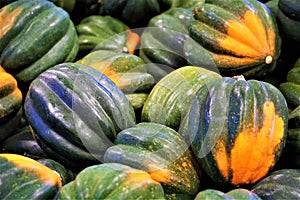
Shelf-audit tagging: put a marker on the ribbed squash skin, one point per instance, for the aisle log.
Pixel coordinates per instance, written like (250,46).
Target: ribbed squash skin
(280,184)
(75,113)
(291,88)
(288,18)
(161,152)
(170,98)
(10,104)
(163,40)
(105,32)
(237,129)
(235,37)
(22,142)
(37,35)
(24,178)
(235,194)
(112,181)
(134,12)
(241,36)
(127,71)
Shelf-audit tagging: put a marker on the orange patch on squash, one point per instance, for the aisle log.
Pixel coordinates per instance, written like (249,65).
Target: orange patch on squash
(46,174)
(132,41)
(248,38)
(7,19)
(254,150)
(160,174)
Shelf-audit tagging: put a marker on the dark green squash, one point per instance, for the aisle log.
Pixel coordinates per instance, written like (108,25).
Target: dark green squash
(22,142)
(160,151)
(237,129)
(291,88)
(163,39)
(75,112)
(235,194)
(106,32)
(112,181)
(170,98)
(10,105)
(24,178)
(280,184)
(37,36)
(135,13)
(288,18)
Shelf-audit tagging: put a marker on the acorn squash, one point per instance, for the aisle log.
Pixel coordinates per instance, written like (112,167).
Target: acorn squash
(291,88)
(75,112)
(112,181)
(24,178)
(10,105)
(170,98)
(235,194)
(280,184)
(237,129)
(106,32)
(37,35)
(160,151)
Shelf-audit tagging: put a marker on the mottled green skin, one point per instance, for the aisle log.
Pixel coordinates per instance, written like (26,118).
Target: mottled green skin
(236,194)
(280,184)
(102,32)
(131,69)
(19,183)
(76,112)
(170,98)
(221,111)
(157,149)
(31,45)
(112,181)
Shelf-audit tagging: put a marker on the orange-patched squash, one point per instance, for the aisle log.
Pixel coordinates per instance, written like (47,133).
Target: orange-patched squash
(10,104)
(241,36)
(237,129)
(24,178)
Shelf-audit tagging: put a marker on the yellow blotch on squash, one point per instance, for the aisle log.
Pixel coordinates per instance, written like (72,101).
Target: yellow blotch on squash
(254,150)
(46,174)
(7,19)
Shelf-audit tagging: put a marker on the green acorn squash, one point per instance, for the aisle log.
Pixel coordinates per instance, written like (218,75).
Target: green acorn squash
(75,113)
(291,88)
(288,18)
(280,184)
(37,35)
(235,194)
(135,13)
(24,178)
(237,129)
(106,32)
(10,105)
(22,142)
(112,181)
(160,151)
(169,99)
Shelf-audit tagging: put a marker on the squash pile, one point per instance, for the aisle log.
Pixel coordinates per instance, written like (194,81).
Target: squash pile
(150,99)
